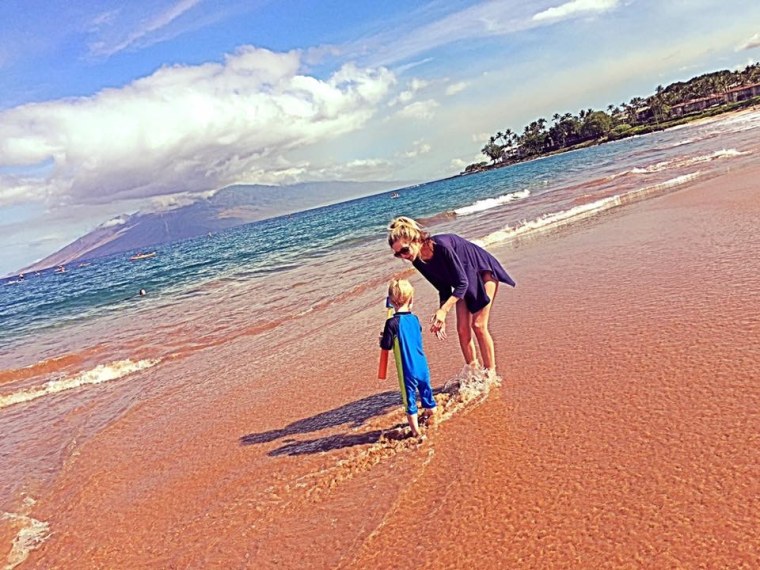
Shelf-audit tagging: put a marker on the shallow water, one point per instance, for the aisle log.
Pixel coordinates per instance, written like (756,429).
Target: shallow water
(235,419)
(625,434)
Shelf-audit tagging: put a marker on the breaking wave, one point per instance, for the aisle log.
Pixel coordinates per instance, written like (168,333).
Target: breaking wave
(681,162)
(577,213)
(99,374)
(488,203)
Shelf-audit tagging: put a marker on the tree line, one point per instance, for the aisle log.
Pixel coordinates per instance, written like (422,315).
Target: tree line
(677,103)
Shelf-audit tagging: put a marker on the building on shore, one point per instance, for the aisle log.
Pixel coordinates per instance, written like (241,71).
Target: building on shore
(730,96)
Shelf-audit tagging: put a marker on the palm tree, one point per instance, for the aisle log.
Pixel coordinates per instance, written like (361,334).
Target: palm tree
(492,151)
(568,129)
(508,142)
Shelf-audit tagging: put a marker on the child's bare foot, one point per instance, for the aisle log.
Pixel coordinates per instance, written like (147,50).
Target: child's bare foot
(418,436)
(414,425)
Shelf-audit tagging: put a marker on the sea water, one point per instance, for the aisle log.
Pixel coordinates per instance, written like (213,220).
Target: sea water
(63,334)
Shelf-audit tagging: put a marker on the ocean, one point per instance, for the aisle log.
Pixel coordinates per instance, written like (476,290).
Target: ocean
(64,336)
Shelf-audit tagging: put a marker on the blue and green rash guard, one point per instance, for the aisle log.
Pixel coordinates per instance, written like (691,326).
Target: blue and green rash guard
(403,335)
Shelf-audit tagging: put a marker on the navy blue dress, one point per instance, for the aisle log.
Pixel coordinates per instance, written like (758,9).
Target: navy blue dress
(456,268)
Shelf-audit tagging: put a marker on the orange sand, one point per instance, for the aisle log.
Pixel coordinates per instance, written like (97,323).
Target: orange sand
(625,435)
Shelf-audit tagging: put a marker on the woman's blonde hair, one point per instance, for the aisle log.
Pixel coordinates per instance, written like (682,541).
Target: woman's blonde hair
(400,292)
(407,229)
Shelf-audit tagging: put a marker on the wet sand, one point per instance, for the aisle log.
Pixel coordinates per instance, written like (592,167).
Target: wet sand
(628,431)
(625,433)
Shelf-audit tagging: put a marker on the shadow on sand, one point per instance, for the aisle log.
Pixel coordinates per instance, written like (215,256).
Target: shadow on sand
(354,414)
(329,443)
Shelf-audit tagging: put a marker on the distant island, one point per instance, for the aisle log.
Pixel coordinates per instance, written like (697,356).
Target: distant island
(703,96)
(140,232)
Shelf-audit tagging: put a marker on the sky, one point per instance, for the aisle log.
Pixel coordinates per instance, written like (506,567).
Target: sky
(114,107)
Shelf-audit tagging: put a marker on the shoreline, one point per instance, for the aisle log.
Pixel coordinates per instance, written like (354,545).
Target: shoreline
(696,121)
(623,431)
(626,429)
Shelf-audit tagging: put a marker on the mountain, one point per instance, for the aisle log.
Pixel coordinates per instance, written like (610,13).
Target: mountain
(229,207)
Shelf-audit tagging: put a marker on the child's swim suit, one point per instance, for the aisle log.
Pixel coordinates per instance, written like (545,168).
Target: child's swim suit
(403,335)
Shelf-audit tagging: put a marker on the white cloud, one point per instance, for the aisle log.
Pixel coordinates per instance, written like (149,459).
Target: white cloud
(484,19)
(142,30)
(751,43)
(481,137)
(20,189)
(419,147)
(117,221)
(424,110)
(103,19)
(412,64)
(183,128)
(575,8)
(455,88)
(173,201)
(459,164)
(418,37)
(360,169)
(414,86)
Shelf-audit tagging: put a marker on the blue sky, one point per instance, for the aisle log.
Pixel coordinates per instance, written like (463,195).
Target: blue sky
(111,107)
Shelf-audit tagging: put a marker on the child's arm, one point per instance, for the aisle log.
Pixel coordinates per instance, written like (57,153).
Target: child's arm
(386,339)
(386,343)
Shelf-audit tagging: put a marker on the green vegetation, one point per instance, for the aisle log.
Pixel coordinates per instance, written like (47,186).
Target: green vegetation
(704,96)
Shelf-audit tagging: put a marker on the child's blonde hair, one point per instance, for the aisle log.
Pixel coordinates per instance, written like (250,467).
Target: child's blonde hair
(400,292)
(407,229)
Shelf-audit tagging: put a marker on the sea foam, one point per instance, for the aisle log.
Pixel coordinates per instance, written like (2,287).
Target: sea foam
(683,161)
(462,393)
(31,533)
(489,203)
(577,213)
(99,374)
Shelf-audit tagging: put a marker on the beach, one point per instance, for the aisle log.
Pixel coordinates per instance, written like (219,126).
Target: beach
(624,432)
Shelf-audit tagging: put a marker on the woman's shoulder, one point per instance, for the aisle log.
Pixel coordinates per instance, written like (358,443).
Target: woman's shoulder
(460,246)
(446,239)
(451,241)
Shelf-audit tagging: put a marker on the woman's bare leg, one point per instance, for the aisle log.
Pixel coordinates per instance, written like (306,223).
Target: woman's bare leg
(464,331)
(480,323)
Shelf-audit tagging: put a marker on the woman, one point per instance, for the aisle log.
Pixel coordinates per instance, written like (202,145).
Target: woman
(466,276)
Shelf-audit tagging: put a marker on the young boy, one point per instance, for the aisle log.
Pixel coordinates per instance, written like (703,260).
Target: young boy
(403,335)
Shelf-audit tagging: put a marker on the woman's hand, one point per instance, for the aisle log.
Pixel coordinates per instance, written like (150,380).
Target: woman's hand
(438,324)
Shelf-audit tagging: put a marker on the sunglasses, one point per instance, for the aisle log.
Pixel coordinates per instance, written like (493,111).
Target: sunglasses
(406,250)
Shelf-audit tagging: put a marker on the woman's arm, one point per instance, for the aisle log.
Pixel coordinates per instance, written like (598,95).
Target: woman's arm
(446,307)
